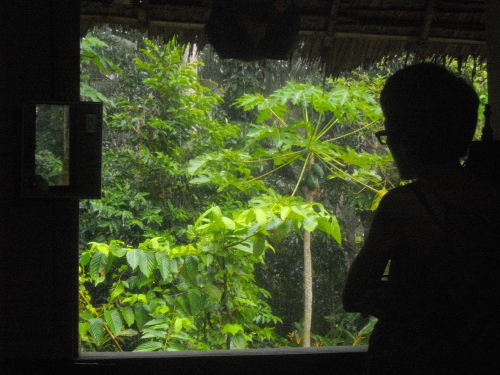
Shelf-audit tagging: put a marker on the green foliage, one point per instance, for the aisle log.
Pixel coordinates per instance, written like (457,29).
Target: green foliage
(201,295)
(204,207)
(161,296)
(300,120)
(90,56)
(49,166)
(148,145)
(201,292)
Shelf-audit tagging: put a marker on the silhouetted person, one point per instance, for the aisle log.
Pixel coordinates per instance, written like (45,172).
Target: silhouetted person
(440,234)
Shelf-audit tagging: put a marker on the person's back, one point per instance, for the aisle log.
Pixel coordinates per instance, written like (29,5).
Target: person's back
(441,292)
(440,234)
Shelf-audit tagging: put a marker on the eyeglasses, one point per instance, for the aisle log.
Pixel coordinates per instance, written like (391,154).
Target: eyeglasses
(382,136)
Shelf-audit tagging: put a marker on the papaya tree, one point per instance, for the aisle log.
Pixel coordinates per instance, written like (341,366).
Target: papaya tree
(299,129)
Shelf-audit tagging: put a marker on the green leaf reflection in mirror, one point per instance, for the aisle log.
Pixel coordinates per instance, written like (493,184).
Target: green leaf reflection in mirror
(52,152)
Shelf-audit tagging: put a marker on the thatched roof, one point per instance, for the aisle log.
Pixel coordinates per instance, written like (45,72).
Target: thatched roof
(342,33)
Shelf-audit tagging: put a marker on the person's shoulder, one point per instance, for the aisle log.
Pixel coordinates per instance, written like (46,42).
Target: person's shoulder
(399,198)
(400,205)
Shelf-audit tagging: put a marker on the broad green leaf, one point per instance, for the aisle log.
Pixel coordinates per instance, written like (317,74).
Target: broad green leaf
(134,258)
(114,321)
(232,328)
(129,333)
(200,180)
(239,341)
(128,315)
(163,261)
(161,310)
(214,292)
(155,245)
(178,325)
(96,330)
(207,259)
(146,262)
(252,229)
(259,244)
(182,305)
(378,197)
(156,322)
(260,216)
(149,346)
(83,329)
(285,211)
(331,227)
(85,258)
(118,251)
(280,232)
(300,211)
(150,333)
(174,266)
(246,247)
(368,327)
(141,316)
(98,264)
(119,289)
(228,223)
(196,301)
(216,212)
(102,247)
(310,223)
(191,267)
(200,280)
(273,223)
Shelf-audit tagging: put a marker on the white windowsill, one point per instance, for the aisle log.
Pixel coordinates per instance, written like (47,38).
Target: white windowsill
(96,356)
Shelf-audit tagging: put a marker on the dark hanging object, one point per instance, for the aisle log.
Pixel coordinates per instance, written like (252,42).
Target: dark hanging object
(251,30)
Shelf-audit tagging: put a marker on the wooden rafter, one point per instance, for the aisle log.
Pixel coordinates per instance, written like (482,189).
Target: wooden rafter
(430,14)
(330,30)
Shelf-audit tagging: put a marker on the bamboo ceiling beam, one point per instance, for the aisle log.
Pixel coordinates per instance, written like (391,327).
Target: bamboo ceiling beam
(430,14)
(360,35)
(332,21)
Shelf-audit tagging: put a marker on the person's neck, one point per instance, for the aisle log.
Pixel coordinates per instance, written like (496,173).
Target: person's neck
(438,170)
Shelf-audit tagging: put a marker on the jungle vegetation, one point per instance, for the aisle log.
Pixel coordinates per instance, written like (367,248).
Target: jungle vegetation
(235,196)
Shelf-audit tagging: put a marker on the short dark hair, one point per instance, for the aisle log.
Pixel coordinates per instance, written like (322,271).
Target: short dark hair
(434,107)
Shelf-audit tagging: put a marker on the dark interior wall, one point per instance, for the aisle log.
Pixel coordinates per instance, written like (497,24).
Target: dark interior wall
(39,44)
(39,61)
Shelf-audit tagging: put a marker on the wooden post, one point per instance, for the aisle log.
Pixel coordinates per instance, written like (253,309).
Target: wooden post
(493,61)
(38,238)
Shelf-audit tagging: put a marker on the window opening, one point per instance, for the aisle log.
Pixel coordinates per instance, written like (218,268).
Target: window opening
(230,191)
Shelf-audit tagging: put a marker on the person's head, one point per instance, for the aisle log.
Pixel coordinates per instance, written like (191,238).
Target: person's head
(430,116)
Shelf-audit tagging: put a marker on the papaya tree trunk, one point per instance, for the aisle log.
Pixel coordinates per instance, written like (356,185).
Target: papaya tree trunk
(308,278)
(308,291)
(351,222)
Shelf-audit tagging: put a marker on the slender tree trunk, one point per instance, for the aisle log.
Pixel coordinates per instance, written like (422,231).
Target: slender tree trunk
(308,290)
(308,282)
(64,176)
(352,223)
(332,291)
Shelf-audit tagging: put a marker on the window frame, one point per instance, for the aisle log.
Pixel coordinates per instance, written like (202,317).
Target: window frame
(344,359)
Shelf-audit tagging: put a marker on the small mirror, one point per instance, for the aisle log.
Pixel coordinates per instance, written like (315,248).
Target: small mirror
(62,150)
